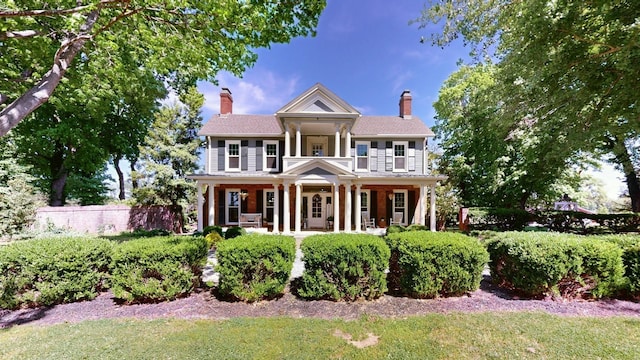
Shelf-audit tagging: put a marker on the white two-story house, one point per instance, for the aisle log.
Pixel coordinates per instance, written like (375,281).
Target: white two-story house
(317,163)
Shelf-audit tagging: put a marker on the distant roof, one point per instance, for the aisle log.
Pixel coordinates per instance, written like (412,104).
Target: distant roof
(232,124)
(390,125)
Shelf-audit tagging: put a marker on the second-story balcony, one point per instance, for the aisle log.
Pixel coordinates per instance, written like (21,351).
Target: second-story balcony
(290,162)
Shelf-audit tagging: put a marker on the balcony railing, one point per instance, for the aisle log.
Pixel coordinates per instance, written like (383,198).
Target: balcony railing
(344,162)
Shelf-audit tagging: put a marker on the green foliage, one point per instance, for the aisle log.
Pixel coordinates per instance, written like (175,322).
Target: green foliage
(565,84)
(344,267)
(429,264)
(255,267)
(579,222)
(213,239)
(630,245)
(498,219)
(157,268)
(19,199)
(551,264)
(417,227)
(392,229)
(52,271)
(234,232)
(209,229)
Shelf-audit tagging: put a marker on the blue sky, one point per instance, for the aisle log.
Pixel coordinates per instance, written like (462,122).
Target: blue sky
(364,51)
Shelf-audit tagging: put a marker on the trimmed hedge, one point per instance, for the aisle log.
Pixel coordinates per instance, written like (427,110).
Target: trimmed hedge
(427,264)
(551,264)
(344,267)
(578,222)
(630,245)
(157,269)
(213,228)
(255,267)
(485,218)
(234,232)
(52,271)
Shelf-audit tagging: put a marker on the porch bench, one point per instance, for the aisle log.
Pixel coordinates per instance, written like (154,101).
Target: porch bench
(250,220)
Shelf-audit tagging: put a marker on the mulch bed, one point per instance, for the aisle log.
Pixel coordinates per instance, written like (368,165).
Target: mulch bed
(204,305)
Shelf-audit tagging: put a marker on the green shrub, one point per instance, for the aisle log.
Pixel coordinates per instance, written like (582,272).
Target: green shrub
(417,227)
(150,233)
(630,245)
(485,218)
(234,232)
(552,264)
(344,267)
(213,239)
(254,267)
(582,223)
(428,264)
(156,269)
(393,229)
(52,271)
(213,228)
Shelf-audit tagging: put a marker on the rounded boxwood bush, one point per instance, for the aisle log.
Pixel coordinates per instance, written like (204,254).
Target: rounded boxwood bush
(429,264)
(344,267)
(255,267)
(234,232)
(53,271)
(630,245)
(551,264)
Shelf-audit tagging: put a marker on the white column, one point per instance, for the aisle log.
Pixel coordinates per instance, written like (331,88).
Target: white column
(207,166)
(347,207)
(347,142)
(358,208)
(298,141)
(212,204)
(432,223)
(200,201)
(421,206)
(276,209)
(337,142)
(298,208)
(287,141)
(286,222)
(336,207)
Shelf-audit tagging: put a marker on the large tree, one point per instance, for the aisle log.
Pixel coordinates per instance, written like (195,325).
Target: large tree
(170,153)
(566,69)
(181,40)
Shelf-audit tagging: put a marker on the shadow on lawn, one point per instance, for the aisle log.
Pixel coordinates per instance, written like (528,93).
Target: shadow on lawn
(19,317)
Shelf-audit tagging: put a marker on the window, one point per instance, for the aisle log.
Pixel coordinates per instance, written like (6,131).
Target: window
(316,206)
(362,156)
(364,201)
(317,149)
(400,205)
(270,159)
(400,156)
(269,202)
(233,206)
(232,160)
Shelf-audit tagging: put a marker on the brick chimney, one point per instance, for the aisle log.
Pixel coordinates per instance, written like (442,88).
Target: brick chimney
(226,102)
(405,104)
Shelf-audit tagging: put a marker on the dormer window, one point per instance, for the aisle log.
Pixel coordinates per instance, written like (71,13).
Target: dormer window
(232,158)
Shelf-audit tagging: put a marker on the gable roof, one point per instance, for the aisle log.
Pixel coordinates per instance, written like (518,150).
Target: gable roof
(318,100)
(236,125)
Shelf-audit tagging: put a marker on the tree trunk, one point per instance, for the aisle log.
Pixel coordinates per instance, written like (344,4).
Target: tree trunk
(11,116)
(59,174)
(116,165)
(623,159)
(134,179)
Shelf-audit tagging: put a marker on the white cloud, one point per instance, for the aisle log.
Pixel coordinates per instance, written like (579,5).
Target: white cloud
(259,92)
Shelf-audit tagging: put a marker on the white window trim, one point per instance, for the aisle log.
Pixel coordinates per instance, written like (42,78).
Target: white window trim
(368,193)
(226,205)
(355,162)
(406,205)
(264,155)
(264,202)
(226,155)
(406,157)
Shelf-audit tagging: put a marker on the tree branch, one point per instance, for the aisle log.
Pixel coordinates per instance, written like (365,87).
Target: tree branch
(18,34)
(56,12)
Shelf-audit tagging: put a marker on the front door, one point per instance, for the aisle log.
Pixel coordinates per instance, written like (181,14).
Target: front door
(318,209)
(317,145)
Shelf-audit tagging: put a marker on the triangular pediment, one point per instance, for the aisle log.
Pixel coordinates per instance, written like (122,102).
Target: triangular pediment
(317,100)
(319,167)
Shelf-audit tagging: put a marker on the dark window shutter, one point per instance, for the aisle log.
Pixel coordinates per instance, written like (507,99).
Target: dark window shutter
(281,154)
(259,155)
(412,207)
(374,144)
(244,203)
(260,203)
(221,150)
(221,204)
(374,205)
(244,155)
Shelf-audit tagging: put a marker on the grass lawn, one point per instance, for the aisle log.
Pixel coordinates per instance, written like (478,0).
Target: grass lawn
(434,336)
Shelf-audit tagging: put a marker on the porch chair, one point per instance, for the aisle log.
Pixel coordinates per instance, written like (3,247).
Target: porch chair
(367,222)
(397,218)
